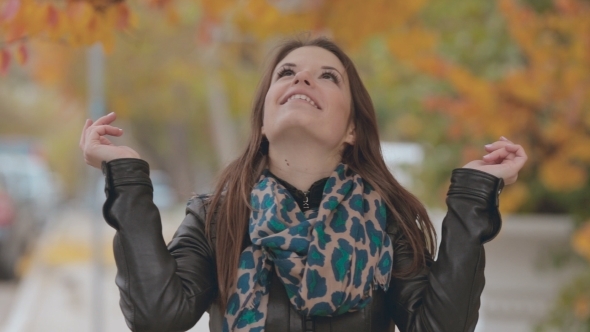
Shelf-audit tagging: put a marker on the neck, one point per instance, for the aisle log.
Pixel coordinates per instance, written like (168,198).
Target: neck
(301,165)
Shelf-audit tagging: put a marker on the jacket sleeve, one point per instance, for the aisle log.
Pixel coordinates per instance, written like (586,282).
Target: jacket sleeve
(445,295)
(162,288)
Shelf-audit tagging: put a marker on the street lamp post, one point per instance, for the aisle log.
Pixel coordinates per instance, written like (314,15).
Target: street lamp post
(96,109)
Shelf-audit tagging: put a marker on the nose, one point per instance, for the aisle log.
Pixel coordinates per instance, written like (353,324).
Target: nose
(303,77)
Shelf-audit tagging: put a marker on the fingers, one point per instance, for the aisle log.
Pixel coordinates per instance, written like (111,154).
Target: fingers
(106,119)
(520,155)
(104,141)
(502,142)
(83,136)
(96,132)
(504,159)
(497,156)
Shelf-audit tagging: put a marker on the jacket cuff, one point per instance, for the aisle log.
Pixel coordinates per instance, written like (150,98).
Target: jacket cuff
(478,183)
(126,171)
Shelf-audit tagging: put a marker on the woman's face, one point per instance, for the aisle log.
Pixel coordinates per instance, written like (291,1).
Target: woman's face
(309,98)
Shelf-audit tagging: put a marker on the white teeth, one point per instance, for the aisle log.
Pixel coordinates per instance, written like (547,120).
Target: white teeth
(303,97)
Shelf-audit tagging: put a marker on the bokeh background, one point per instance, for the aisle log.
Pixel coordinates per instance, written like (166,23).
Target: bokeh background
(446,77)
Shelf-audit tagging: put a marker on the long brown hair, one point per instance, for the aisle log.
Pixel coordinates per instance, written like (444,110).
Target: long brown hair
(231,199)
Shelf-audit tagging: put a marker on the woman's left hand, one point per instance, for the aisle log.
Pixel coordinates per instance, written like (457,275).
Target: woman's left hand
(504,160)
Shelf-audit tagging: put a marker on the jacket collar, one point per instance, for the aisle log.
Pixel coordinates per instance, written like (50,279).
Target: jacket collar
(314,193)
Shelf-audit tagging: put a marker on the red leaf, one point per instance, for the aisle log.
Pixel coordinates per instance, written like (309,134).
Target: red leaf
(22,54)
(10,9)
(123,19)
(52,16)
(92,24)
(206,30)
(4,61)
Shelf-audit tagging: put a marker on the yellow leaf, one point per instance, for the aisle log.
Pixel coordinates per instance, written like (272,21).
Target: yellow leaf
(49,62)
(520,85)
(581,240)
(408,125)
(578,148)
(412,44)
(558,174)
(513,197)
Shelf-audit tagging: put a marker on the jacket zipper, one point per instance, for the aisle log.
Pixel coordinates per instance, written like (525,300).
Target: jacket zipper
(305,200)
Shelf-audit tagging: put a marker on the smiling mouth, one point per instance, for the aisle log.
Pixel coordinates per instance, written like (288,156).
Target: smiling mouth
(304,98)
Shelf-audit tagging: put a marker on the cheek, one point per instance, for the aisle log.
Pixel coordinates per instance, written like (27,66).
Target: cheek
(272,95)
(268,103)
(344,109)
(341,98)
(341,117)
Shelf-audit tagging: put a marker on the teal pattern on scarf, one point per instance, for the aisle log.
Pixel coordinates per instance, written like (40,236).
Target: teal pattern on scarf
(329,260)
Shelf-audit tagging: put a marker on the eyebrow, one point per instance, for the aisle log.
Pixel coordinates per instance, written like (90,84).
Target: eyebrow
(288,64)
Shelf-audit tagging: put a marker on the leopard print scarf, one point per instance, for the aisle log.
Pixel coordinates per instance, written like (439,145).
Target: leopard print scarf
(329,260)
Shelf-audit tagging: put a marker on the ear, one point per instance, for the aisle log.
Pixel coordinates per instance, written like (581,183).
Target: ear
(350,135)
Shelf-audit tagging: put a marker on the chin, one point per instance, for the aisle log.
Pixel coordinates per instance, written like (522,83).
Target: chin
(295,121)
(300,135)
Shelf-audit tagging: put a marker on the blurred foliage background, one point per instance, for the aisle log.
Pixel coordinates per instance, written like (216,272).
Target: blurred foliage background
(451,75)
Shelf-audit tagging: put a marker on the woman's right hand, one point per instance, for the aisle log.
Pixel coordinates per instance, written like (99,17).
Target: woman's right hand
(97,148)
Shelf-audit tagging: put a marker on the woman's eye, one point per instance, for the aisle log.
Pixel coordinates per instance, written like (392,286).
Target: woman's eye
(285,72)
(331,76)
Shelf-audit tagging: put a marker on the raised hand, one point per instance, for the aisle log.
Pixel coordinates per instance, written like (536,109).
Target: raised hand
(96,147)
(504,160)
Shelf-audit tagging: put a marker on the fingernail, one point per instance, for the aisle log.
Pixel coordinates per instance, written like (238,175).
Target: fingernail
(503,138)
(111,113)
(487,155)
(488,145)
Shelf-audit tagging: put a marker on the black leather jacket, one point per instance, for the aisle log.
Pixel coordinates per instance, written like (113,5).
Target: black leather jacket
(167,288)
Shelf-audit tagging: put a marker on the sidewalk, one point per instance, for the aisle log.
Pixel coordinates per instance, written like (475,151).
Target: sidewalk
(59,292)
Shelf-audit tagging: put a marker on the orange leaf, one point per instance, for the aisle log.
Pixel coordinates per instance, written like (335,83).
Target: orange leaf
(172,15)
(22,54)
(4,61)
(92,27)
(582,308)
(567,6)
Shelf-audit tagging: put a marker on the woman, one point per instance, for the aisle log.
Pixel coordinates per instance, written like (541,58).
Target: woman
(306,230)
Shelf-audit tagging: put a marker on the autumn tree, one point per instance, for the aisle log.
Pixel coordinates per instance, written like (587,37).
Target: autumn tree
(539,98)
(172,52)
(541,102)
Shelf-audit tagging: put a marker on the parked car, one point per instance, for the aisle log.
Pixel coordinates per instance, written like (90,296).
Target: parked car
(28,178)
(16,231)
(28,196)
